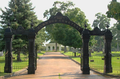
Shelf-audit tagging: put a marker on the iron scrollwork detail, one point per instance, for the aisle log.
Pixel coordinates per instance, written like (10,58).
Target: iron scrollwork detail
(59,18)
(19,30)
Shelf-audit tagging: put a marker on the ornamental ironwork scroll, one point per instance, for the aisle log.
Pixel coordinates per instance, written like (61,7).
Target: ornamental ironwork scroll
(96,31)
(19,31)
(58,18)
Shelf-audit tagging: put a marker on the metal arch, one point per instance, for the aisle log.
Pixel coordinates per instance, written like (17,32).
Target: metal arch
(58,18)
(97,32)
(19,31)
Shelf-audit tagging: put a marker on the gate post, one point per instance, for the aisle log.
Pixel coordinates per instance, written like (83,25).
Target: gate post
(31,38)
(35,57)
(85,57)
(108,39)
(8,51)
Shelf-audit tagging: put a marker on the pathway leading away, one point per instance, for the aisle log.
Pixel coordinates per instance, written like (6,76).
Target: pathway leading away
(54,65)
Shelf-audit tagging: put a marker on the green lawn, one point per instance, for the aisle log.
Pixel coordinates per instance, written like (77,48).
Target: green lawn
(98,63)
(16,65)
(41,53)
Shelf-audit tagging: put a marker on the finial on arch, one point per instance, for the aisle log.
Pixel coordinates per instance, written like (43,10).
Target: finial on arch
(107,26)
(8,25)
(85,25)
(32,24)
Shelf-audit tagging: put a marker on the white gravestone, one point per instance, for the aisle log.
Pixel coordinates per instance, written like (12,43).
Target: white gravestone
(1,53)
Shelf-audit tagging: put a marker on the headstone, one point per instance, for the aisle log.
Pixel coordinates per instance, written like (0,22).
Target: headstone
(71,49)
(103,58)
(1,53)
(79,51)
(74,50)
(91,60)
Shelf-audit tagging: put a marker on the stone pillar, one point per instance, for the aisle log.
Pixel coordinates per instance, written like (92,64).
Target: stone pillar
(60,48)
(46,48)
(51,48)
(85,56)
(81,57)
(35,57)
(8,51)
(32,57)
(108,39)
(55,48)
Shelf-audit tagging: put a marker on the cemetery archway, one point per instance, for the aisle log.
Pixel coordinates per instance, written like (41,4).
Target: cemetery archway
(58,18)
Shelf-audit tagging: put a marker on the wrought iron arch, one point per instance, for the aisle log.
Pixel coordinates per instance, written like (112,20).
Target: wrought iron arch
(58,18)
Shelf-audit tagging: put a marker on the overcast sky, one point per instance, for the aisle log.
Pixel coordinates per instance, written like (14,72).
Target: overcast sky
(89,7)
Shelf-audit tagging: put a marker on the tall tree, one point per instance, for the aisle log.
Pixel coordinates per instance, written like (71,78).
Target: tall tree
(40,37)
(65,34)
(116,37)
(2,42)
(114,11)
(58,6)
(101,22)
(19,13)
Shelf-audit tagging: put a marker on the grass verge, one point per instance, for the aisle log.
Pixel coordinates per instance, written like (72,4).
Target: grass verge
(15,64)
(98,62)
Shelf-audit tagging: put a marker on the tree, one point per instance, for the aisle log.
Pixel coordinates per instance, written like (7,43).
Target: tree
(65,34)
(2,42)
(19,13)
(101,22)
(57,7)
(116,37)
(40,38)
(114,11)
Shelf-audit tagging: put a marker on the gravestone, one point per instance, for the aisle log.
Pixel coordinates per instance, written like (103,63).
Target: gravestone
(1,53)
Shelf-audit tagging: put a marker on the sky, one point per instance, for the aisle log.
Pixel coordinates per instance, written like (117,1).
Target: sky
(89,7)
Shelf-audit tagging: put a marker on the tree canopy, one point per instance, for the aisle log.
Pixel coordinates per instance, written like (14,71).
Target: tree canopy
(101,22)
(116,37)
(19,13)
(65,34)
(114,11)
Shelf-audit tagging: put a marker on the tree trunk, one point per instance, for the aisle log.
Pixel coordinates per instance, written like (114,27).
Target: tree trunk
(74,54)
(64,49)
(117,46)
(18,57)
(100,47)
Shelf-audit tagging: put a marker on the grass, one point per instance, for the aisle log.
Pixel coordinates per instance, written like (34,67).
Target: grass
(16,65)
(41,53)
(98,63)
